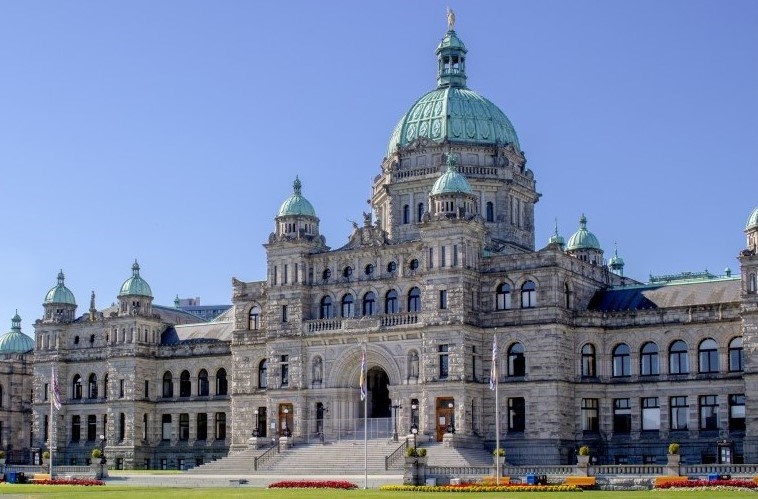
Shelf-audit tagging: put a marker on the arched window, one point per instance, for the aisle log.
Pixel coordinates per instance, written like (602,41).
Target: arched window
(326,308)
(390,302)
(528,295)
(347,272)
(406,214)
(708,356)
(414,300)
(327,274)
(185,385)
(168,385)
(588,361)
(203,388)
(92,386)
(621,361)
(76,388)
(347,305)
(503,297)
(736,355)
(419,212)
(490,209)
(369,303)
(222,387)
(254,322)
(678,358)
(516,360)
(262,376)
(751,283)
(649,359)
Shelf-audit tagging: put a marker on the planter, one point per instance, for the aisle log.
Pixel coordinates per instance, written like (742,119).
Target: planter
(673,459)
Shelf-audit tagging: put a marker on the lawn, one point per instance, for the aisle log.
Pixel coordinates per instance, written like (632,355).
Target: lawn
(114,491)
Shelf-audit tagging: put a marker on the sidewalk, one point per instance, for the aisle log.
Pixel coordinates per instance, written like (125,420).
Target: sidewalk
(208,481)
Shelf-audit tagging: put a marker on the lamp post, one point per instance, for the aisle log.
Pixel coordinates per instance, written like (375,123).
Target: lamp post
(451,426)
(395,407)
(285,428)
(255,428)
(414,431)
(102,449)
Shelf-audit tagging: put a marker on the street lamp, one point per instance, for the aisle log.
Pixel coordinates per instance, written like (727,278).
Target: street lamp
(285,428)
(395,407)
(451,426)
(414,431)
(102,449)
(255,428)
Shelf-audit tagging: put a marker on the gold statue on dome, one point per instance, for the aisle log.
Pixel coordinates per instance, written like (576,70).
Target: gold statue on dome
(450,19)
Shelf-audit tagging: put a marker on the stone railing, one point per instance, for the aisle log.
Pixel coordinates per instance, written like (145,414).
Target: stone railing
(391,320)
(627,469)
(372,323)
(323,325)
(721,469)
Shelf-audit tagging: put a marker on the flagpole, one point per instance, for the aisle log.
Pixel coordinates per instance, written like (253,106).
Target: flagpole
(365,423)
(52,419)
(497,435)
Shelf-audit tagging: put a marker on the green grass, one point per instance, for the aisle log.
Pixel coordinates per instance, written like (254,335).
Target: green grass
(115,491)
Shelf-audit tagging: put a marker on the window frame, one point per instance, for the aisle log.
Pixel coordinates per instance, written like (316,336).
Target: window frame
(621,361)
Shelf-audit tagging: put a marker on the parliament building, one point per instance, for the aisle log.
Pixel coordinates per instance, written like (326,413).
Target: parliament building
(444,262)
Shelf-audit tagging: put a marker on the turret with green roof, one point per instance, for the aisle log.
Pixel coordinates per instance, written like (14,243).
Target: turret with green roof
(15,341)
(59,304)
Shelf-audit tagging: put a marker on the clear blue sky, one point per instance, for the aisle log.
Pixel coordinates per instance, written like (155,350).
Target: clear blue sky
(171,131)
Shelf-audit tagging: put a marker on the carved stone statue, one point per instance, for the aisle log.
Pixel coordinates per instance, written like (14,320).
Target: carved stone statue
(450,19)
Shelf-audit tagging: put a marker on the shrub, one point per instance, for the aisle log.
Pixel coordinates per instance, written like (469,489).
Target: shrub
(584,450)
(97,453)
(410,452)
(421,452)
(46,454)
(313,484)
(499,452)
(673,448)
(2,454)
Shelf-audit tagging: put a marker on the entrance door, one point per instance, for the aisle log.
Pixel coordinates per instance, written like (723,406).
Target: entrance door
(443,416)
(260,424)
(378,391)
(285,420)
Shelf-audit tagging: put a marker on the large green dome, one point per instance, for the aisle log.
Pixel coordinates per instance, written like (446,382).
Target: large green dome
(135,285)
(752,220)
(452,112)
(60,294)
(296,204)
(15,341)
(583,239)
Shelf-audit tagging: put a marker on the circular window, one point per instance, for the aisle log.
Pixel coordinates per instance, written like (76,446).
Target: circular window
(414,264)
(369,269)
(347,272)
(327,274)
(391,267)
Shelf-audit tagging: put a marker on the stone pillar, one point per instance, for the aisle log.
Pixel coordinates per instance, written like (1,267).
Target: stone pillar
(673,464)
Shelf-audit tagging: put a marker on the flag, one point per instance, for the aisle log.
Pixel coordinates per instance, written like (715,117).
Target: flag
(56,392)
(493,371)
(362,381)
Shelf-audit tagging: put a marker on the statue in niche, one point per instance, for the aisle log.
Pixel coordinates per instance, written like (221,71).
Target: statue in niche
(414,365)
(317,370)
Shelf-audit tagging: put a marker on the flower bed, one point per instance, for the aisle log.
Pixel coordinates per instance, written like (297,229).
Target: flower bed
(70,481)
(313,484)
(477,487)
(688,484)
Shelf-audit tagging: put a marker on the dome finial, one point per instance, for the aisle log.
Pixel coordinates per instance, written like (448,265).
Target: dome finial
(450,19)
(452,162)
(16,322)
(583,221)
(61,278)
(297,186)
(135,268)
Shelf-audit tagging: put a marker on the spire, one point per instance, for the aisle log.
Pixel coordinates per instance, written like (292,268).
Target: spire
(135,268)
(617,263)
(451,56)
(16,323)
(177,302)
(557,238)
(92,308)
(61,278)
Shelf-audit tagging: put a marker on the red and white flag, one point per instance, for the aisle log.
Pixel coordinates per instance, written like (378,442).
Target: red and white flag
(56,392)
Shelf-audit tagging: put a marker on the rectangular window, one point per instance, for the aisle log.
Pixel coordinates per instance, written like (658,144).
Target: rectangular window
(431,258)
(516,414)
(91,428)
(651,414)
(737,412)
(202,426)
(284,313)
(144,427)
(443,256)
(45,430)
(184,426)
(284,275)
(121,388)
(121,426)
(147,389)
(455,255)
(276,271)
(622,416)
(443,300)
(285,359)
(443,353)
(294,276)
(45,392)
(473,363)
(709,408)
(166,427)
(678,411)
(220,426)
(76,428)
(590,415)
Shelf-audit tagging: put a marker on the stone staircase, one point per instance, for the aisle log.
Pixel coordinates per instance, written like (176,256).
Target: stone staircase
(236,463)
(439,455)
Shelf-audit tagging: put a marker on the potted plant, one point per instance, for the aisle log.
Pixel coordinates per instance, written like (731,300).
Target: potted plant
(97,454)
(673,454)
(2,457)
(499,455)
(583,456)
(45,457)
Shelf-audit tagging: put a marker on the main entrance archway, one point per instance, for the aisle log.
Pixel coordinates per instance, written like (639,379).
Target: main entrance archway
(378,393)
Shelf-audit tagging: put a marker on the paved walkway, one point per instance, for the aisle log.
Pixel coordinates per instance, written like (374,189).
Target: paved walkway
(194,481)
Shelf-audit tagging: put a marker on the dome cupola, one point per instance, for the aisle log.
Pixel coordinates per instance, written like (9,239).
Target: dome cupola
(584,245)
(15,341)
(135,297)
(296,218)
(616,263)
(451,196)
(751,230)
(296,204)
(59,304)
(451,181)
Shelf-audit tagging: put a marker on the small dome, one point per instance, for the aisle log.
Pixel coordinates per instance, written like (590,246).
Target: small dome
(135,285)
(557,238)
(296,204)
(15,341)
(752,220)
(583,239)
(451,181)
(616,260)
(60,294)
